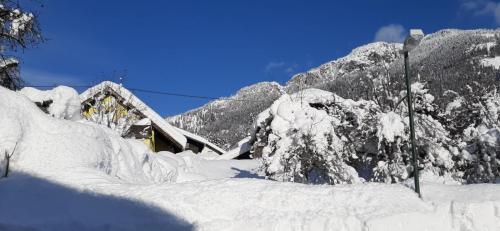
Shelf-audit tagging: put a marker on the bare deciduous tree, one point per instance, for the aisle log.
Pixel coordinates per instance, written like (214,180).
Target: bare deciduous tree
(18,30)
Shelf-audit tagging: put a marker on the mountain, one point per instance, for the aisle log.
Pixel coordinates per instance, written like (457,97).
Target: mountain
(450,62)
(226,121)
(378,54)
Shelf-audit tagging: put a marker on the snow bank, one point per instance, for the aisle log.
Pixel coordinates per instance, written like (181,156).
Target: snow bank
(252,204)
(65,101)
(49,146)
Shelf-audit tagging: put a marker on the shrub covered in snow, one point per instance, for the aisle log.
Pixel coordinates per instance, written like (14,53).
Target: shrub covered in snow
(61,102)
(474,126)
(315,136)
(298,137)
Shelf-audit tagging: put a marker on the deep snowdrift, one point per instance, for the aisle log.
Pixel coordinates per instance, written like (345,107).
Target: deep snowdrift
(65,102)
(78,176)
(47,146)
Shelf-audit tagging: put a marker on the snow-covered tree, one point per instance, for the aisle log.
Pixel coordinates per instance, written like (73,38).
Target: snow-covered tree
(475,126)
(317,137)
(300,137)
(18,30)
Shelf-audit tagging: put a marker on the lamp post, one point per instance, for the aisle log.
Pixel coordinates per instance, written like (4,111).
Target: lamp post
(410,43)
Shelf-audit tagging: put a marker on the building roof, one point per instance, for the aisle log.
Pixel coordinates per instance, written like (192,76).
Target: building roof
(130,99)
(201,140)
(243,147)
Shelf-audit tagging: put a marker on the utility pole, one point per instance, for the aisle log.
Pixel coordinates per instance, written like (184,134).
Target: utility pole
(410,43)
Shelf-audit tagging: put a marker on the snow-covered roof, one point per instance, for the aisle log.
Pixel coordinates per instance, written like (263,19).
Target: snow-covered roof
(243,146)
(164,127)
(201,140)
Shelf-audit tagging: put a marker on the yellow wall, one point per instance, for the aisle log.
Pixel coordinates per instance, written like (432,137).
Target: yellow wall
(120,111)
(108,104)
(150,141)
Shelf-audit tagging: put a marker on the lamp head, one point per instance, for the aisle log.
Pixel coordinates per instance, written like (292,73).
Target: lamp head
(413,39)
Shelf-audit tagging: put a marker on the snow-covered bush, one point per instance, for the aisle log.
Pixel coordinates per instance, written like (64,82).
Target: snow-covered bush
(391,160)
(298,140)
(61,102)
(483,156)
(473,119)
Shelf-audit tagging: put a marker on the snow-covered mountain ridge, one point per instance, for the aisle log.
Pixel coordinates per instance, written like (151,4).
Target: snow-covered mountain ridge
(376,54)
(446,60)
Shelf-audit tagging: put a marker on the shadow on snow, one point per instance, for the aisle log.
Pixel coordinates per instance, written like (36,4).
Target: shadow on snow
(246,174)
(31,203)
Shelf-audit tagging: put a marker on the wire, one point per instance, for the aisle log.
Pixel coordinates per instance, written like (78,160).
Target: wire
(52,86)
(156,92)
(171,94)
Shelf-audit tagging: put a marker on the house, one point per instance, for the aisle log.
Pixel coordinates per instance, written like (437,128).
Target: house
(112,105)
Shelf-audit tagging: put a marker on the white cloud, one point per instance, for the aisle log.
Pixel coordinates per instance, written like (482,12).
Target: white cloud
(290,70)
(469,5)
(274,65)
(287,68)
(482,7)
(391,33)
(38,77)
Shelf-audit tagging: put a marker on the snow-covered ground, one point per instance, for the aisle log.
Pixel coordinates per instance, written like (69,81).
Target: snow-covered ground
(67,175)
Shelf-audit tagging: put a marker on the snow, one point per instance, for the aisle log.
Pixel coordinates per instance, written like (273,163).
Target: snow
(20,21)
(7,61)
(481,46)
(390,126)
(192,167)
(46,144)
(302,125)
(292,114)
(139,105)
(359,59)
(68,175)
(65,105)
(491,62)
(455,104)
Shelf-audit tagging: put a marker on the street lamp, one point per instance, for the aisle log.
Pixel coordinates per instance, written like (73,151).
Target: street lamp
(410,43)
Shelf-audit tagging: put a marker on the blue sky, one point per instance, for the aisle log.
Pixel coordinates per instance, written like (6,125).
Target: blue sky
(213,48)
